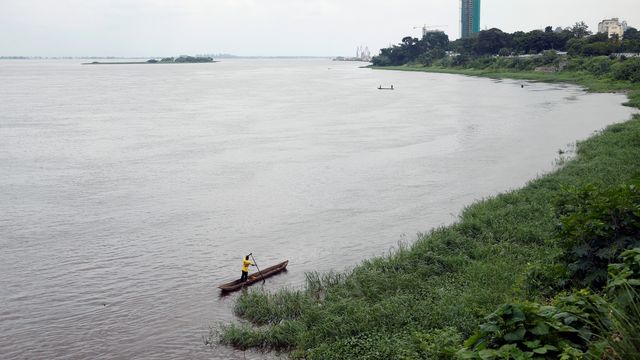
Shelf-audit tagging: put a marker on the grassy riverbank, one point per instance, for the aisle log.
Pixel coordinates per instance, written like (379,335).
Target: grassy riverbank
(588,81)
(423,300)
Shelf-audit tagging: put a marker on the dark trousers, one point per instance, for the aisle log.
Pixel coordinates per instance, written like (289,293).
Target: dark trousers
(244,276)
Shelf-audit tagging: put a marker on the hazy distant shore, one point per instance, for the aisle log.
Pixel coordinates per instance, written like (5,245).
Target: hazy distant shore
(143,63)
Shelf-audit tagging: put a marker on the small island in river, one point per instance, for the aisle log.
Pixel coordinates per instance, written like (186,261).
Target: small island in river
(183,59)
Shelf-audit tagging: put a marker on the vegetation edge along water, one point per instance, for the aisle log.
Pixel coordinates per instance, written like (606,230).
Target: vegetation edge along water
(590,82)
(425,298)
(507,276)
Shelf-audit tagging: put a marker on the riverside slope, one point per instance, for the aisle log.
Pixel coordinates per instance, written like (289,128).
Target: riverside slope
(424,299)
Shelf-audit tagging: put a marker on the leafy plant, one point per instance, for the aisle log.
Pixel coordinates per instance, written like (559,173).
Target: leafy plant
(596,227)
(524,331)
(624,281)
(622,340)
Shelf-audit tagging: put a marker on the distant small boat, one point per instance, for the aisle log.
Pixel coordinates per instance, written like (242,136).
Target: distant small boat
(255,277)
(385,88)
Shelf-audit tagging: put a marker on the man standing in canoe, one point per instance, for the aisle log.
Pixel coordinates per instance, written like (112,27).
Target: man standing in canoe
(245,267)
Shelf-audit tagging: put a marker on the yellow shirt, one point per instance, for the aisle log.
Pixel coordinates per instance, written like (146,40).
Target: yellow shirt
(245,265)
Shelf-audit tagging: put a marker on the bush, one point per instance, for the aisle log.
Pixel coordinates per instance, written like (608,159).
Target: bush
(504,52)
(430,56)
(627,70)
(623,341)
(481,63)
(526,331)
(596,227)
(381,60)
(598,66)
(625,278)
(460,60)
(550,57)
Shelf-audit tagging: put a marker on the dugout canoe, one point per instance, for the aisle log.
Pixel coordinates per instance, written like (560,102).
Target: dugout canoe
(255,277)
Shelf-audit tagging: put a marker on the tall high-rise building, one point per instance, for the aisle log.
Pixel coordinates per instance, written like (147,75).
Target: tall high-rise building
(469,17)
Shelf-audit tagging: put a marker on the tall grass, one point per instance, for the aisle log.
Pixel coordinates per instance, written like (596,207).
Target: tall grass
(623,343)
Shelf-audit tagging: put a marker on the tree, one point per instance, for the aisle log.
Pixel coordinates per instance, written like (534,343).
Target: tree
(600,37)
(631,34)
(381,60)
(491,41)
(411,48)
(575,46)
(434,40)
(550,57)
(548,29)
(465,45)
(504,52)
(580,30)
(430,56)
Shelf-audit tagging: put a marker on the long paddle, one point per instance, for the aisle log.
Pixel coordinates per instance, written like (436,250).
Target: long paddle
(256,264)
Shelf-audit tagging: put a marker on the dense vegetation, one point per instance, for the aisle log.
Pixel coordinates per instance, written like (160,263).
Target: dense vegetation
(576,40)
(595,61)
(183,59)
(545,272)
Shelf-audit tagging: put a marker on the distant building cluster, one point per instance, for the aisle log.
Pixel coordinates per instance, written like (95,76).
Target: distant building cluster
(469,18)
(426,30)
(363,53)
(612,27)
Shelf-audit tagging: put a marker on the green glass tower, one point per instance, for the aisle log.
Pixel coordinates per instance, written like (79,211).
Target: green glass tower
(469,17)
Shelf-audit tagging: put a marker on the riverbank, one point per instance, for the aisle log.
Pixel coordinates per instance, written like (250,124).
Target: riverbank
(590,82)
(423,300)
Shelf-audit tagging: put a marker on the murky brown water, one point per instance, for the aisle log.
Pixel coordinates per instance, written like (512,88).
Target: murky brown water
(129,192)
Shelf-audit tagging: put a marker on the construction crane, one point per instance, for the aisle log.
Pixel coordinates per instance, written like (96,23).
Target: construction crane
(425,28)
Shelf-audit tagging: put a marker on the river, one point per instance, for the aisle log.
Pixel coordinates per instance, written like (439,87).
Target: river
(128,192)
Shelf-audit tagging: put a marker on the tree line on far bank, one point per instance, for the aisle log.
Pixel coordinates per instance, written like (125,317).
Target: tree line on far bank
(576,40)
(183,59)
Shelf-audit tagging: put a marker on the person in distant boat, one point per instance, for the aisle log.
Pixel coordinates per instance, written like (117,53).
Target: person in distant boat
(391,87)
(245,267)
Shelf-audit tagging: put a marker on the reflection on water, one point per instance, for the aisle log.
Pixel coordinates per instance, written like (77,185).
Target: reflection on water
(130,192)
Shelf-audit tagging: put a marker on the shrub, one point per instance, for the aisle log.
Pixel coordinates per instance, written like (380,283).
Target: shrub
(482,62)
(622,342)
(627,70)
(525,331)
(550,57)
(596,227)
(430,56)
(624,281)
(381,60)
(460,60)
(504,52)
(438,344)
(581,324)
(598,66)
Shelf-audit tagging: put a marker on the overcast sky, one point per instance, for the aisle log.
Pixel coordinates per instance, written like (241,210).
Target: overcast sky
(264,27)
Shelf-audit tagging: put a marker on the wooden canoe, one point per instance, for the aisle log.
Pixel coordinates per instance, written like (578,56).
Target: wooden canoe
(255,277)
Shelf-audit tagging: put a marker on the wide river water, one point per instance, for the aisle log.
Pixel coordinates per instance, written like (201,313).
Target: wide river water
(129,192)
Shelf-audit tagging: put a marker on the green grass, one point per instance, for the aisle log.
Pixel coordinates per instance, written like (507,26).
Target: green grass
(588,81)
(424,299)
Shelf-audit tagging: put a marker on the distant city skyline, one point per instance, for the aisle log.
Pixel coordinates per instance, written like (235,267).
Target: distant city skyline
(133,28)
